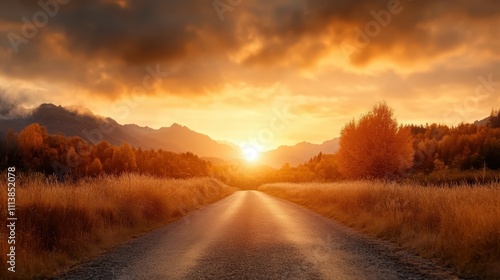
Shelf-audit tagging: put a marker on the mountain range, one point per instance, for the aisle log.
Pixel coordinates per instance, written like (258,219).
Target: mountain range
(78,121)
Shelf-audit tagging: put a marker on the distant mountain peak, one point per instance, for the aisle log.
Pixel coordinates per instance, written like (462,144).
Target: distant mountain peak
(179,127)
(48,106)
(176,125)
(79,121)
(298,153)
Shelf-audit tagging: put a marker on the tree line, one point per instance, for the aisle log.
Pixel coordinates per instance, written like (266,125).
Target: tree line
(373,147)
(33,149)
(376,147)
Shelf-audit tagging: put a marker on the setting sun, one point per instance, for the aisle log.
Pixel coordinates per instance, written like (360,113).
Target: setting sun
(249,139)
(250,153)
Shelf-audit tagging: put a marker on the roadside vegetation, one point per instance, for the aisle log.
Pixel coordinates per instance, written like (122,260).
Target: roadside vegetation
(375,146)
(61,223)
(432,189)
(459,225)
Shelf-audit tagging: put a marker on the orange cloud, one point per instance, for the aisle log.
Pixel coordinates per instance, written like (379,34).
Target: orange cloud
(101,50)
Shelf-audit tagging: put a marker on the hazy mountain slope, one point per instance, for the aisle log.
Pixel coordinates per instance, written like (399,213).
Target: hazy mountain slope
(482,122)
(71,122)
(78,121)
(299,153)
(179,138)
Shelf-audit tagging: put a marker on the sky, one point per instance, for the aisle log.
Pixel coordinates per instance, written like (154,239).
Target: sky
(278,72)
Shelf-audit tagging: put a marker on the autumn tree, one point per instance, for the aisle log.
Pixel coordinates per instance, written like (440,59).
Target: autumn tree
(375,146)
(123,159)
(31,137)
(95,168)
(9,148)
(327,168)
(31,140)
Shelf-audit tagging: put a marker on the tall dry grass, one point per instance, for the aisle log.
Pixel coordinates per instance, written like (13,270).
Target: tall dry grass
(457,225)
(59,224)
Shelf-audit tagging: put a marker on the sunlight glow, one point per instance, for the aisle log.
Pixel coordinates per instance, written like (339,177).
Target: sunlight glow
(251,153)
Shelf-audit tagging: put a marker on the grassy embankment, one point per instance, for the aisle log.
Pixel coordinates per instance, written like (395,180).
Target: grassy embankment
(60,224)
(458,225)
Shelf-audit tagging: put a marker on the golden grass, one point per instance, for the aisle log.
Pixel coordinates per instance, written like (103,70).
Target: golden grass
(459,226)
(59,224)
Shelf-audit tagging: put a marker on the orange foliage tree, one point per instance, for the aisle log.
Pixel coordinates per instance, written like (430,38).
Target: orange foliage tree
(31,137)
(95,168)
(123,159)
(375,146)
(31,140)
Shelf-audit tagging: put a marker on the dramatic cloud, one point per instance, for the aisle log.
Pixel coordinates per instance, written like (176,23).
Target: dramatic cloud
(338,53)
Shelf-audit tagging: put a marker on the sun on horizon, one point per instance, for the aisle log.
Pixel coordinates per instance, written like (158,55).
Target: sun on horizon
(251,154)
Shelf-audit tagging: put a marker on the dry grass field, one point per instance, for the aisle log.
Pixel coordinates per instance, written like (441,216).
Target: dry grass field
(59,224)
(459,226)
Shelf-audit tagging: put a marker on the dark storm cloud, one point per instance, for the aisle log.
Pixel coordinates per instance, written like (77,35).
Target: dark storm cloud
(418,30)
(123,40)
(104,45)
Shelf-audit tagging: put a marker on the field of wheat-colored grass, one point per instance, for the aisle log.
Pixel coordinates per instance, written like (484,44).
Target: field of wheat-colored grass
(61,223)
(459,226)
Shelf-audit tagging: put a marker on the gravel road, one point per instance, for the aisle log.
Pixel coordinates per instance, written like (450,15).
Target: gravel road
(251,235)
